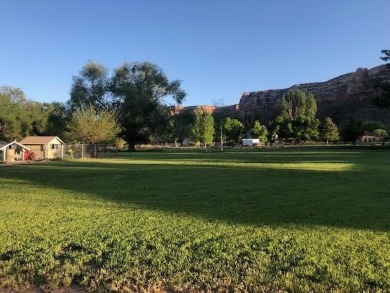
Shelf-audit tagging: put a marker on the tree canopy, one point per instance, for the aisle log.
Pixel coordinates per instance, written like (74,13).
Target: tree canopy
(233,129)
(297,119)
(142,97)
(382,98)
(140,90)
(139,93)
(90,126)
(330,131)
(202,129)
(20,117)
(351,130)
(91,87)
(259,131)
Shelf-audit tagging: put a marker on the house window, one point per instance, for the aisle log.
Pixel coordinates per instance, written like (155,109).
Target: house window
(54,147)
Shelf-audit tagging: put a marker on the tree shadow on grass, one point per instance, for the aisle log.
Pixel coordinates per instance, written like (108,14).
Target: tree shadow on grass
(269,189)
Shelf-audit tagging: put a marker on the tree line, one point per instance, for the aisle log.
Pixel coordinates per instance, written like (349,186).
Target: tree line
(134,104)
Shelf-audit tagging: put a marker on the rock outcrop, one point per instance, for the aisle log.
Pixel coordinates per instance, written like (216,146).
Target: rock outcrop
(349,95)
(222,111)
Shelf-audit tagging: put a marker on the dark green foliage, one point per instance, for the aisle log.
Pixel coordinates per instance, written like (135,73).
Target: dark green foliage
(20,117)
(248,119)
(233,129)
(90,87)
(57,120)
(140,90)
(382,98)
(182,122)
(259,131)
(297,119)
(351,130)
(370,126)
(136,91)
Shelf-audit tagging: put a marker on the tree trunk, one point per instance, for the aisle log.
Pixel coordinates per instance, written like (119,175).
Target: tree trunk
(94,151)
(131,147)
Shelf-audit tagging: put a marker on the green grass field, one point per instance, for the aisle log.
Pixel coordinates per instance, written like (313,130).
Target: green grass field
(295,220)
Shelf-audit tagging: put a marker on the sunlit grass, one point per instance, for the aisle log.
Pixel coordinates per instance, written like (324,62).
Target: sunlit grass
(309,166)
(298,221)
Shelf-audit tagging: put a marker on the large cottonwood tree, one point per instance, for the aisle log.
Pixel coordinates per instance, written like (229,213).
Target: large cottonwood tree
(141,91)
(297,119)
(91,87)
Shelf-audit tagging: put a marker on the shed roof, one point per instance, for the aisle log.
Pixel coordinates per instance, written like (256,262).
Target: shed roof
(40,140)
(11,143)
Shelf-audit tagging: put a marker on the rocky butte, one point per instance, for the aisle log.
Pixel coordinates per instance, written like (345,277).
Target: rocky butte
(349,95)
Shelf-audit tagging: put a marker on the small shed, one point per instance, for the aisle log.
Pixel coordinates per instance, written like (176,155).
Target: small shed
(44,147)
(250,141)
(12,151)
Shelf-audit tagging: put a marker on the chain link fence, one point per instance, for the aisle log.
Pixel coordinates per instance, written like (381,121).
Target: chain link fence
(80,151)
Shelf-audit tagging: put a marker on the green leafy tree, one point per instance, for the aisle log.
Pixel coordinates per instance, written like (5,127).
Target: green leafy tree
(15,95)
(15,120)
(297,119)
(330,131)
(20,117)
(9,125)
(382,98)
(259,131)
(91,87)
(202,129)
(91,126)
(381,133)
(141,90)
(233,129)
(248,119)
(370,126)
(58,119)
(351,131)
(182,121)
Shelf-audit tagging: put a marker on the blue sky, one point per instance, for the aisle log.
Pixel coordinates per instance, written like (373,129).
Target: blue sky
(218,48)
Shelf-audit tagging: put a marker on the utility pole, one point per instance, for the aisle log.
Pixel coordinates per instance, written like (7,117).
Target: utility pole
(221,140)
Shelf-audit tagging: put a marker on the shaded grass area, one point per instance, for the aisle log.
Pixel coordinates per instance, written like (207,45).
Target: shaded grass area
(296,220)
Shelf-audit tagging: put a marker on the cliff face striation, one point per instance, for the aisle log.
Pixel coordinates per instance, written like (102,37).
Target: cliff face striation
(348,95)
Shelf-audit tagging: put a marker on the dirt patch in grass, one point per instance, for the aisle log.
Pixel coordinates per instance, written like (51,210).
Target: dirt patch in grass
(7,164)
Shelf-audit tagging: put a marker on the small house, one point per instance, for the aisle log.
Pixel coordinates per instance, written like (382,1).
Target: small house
(369,137)
(12,151)
(45,147)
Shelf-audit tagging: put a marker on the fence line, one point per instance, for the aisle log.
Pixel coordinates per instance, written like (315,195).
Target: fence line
(80,151)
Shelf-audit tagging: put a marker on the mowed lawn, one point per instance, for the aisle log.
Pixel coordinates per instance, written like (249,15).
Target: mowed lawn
(294,220)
